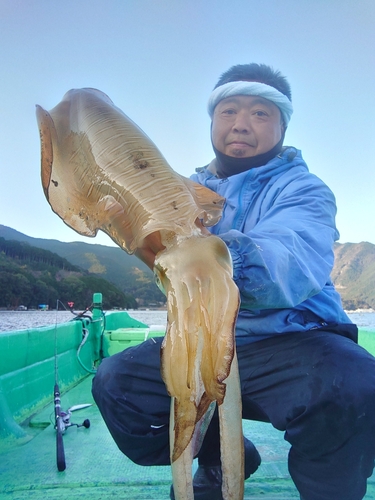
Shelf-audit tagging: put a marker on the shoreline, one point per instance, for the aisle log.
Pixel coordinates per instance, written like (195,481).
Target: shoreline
(359,311)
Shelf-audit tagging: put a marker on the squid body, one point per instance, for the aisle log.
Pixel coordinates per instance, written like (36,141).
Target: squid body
(101,172)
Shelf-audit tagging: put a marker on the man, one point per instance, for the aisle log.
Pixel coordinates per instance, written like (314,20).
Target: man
(300,366)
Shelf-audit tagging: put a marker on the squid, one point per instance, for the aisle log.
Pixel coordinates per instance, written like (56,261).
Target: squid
(100,171)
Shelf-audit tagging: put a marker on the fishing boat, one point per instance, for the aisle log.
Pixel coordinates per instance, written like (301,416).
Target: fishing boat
(53,441)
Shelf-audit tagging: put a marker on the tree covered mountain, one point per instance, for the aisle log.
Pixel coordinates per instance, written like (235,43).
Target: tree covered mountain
(31,276)
(353,272)
(125,271)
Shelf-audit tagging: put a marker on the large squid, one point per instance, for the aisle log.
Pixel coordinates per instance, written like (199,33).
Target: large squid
(101,172)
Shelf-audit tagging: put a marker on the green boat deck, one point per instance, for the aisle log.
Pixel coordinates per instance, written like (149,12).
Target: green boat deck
(95,468)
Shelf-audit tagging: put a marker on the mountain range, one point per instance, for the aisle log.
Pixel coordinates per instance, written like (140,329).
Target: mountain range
(125,271)
(353,273)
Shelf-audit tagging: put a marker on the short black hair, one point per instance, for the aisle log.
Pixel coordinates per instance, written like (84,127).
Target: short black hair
(260,73)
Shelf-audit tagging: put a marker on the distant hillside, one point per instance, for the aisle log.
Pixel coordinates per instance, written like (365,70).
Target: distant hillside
(353,273)
(31,276)
(125,271)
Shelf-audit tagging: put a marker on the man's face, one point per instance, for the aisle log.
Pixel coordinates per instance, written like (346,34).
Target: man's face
(245,126)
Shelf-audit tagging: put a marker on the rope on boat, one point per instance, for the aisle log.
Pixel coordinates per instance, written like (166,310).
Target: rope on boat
(85,332)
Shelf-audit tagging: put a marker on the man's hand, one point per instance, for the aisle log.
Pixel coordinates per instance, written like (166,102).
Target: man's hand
(152,245)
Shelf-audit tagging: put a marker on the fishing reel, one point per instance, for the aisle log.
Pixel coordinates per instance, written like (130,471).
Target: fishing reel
(65,417)
(62,422)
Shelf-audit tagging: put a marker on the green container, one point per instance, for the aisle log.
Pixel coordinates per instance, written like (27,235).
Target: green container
(115,341)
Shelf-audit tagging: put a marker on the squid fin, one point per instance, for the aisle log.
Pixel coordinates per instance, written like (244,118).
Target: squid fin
(46,130)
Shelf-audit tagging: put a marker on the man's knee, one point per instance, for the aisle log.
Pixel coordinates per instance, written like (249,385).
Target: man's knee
(103,381)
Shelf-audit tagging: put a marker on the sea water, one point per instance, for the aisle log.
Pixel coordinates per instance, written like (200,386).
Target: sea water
(20,320)
(364,320)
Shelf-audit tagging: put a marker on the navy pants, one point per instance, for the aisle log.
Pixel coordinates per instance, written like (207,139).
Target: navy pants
(318,387)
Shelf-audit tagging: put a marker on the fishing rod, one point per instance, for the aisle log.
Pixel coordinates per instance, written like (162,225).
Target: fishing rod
(77,315)
(62,418)
(59,426)
(62,422)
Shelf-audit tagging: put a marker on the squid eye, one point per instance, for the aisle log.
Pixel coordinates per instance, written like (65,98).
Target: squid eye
(158,281)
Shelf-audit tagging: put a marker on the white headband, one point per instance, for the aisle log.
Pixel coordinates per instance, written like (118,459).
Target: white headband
(251,88)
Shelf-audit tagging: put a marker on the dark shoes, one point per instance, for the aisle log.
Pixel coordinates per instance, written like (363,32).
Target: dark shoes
(206,483)
(207,480)
(252,458)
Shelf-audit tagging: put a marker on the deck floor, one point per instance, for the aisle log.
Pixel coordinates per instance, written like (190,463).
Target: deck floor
(97,469)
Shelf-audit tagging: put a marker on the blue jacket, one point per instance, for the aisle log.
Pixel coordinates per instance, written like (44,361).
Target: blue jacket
(279,226)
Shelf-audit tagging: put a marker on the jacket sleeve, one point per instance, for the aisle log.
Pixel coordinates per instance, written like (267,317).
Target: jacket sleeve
(287,256)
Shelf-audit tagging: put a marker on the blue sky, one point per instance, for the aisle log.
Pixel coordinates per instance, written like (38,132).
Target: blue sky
(158,60)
